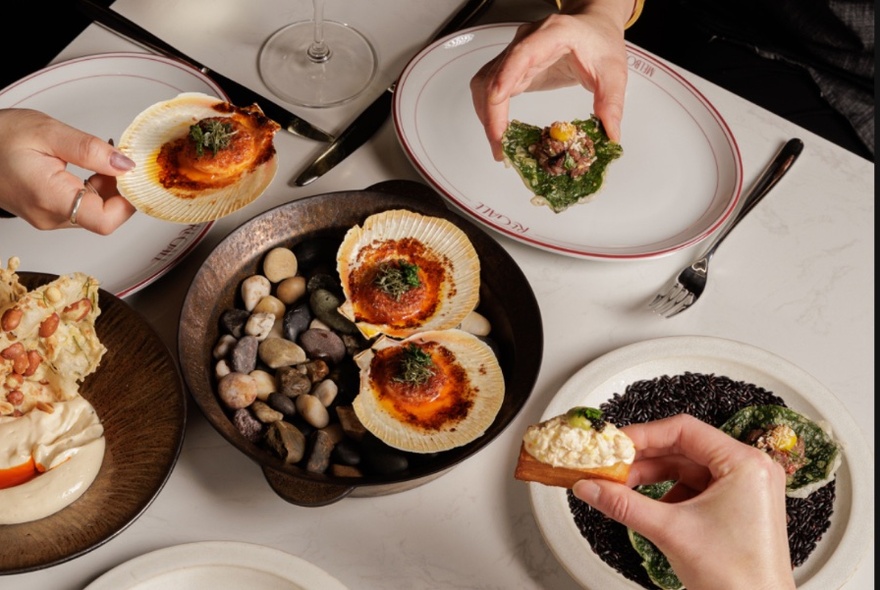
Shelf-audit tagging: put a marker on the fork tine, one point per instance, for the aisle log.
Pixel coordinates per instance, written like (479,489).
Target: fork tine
(658,298)
(677,303)
(671,299)
(663,299)
(667,307)
(683,305)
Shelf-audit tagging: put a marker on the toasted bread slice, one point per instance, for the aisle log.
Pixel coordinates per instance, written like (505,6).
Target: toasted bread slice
(530,469)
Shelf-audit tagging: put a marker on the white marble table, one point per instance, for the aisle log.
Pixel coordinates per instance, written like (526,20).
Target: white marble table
(473,527)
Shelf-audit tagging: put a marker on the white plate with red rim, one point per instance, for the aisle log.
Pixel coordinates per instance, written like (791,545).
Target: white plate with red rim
(842,546)
(679,178)
(218,565)
(101,94)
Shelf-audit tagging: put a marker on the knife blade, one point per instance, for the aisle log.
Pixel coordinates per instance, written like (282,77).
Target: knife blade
(239,94)
(369,121)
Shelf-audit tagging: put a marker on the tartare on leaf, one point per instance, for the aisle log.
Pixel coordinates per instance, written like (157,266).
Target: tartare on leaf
(562,164)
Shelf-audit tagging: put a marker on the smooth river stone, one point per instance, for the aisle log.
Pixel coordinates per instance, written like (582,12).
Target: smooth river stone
(281,403)
(233,321)
(323,344)
(296,321)
(287,441)
(312,410)
(237,390)
(290,290)
(253,289)
(319,458)
(279,264)
(243,356)
(292,382)
(325,306)
(280,352)
(247,425)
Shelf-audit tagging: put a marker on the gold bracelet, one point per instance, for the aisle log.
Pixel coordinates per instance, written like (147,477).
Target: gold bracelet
(637,12)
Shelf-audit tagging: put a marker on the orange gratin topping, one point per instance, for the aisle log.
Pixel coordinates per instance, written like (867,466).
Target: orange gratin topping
(422,276)
(430,396)
(217,151)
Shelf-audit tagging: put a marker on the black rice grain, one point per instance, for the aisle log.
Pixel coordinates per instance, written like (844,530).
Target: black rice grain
(712,399)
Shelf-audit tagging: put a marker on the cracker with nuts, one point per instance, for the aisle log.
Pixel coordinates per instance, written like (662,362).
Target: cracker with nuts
(48,343)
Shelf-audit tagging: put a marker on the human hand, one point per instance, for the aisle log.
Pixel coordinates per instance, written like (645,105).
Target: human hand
(723,525)
(35,183)
(584,46)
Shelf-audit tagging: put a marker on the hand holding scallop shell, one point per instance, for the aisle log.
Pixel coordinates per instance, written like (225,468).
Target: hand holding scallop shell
(197,158)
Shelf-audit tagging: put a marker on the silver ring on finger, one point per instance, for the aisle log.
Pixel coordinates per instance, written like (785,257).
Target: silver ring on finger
(77,201)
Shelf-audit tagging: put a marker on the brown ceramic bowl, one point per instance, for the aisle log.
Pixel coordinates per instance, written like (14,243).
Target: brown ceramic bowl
(506,299)
(139,396)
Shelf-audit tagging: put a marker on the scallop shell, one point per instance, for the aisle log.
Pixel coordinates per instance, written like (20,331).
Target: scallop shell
(444,242)
(167,121)
(485,390)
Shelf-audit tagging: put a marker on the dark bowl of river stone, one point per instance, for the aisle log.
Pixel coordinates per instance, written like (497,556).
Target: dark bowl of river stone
(506,300)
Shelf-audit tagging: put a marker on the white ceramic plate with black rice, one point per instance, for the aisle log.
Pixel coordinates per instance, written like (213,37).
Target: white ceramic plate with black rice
(710,378)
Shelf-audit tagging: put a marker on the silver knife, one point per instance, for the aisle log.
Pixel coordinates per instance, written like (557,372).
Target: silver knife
(369,121)
(239,94)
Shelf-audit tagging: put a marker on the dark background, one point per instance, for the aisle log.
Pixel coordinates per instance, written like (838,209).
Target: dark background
(34,46)
(784,90)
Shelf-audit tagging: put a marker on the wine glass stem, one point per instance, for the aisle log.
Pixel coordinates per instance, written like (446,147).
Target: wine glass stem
(319,52)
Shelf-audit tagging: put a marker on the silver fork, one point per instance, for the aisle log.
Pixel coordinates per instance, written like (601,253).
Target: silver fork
(684,290)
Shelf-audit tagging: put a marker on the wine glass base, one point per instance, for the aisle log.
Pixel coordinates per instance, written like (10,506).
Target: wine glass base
(289,72)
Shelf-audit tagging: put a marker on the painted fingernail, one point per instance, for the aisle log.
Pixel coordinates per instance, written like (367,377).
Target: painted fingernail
(121,162)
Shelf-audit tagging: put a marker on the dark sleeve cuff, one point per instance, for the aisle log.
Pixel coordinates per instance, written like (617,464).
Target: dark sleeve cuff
(5,213)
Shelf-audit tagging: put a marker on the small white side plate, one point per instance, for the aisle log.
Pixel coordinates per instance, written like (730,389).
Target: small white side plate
(218,565)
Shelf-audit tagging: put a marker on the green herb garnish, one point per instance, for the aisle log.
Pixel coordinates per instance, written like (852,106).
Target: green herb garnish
(586,418)
(211,134)
(415,366)
(397,278)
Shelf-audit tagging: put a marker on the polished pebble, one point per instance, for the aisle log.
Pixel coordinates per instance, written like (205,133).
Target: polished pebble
(296,321)
(279,264)
(271,304)
(249,427)
(279,352)
(265,413)
(265,383)
(259,325)
(287,441)
(243,356)
(237,390)
(325,306)
(323,344)
(290,290)
(253,289)
(325,391)
(233,321)
(292,382)
(280,402)
(312,410)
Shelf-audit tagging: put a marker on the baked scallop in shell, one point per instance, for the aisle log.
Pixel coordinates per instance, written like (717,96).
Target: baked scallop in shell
(431,392)
(197,158)
(403,272)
